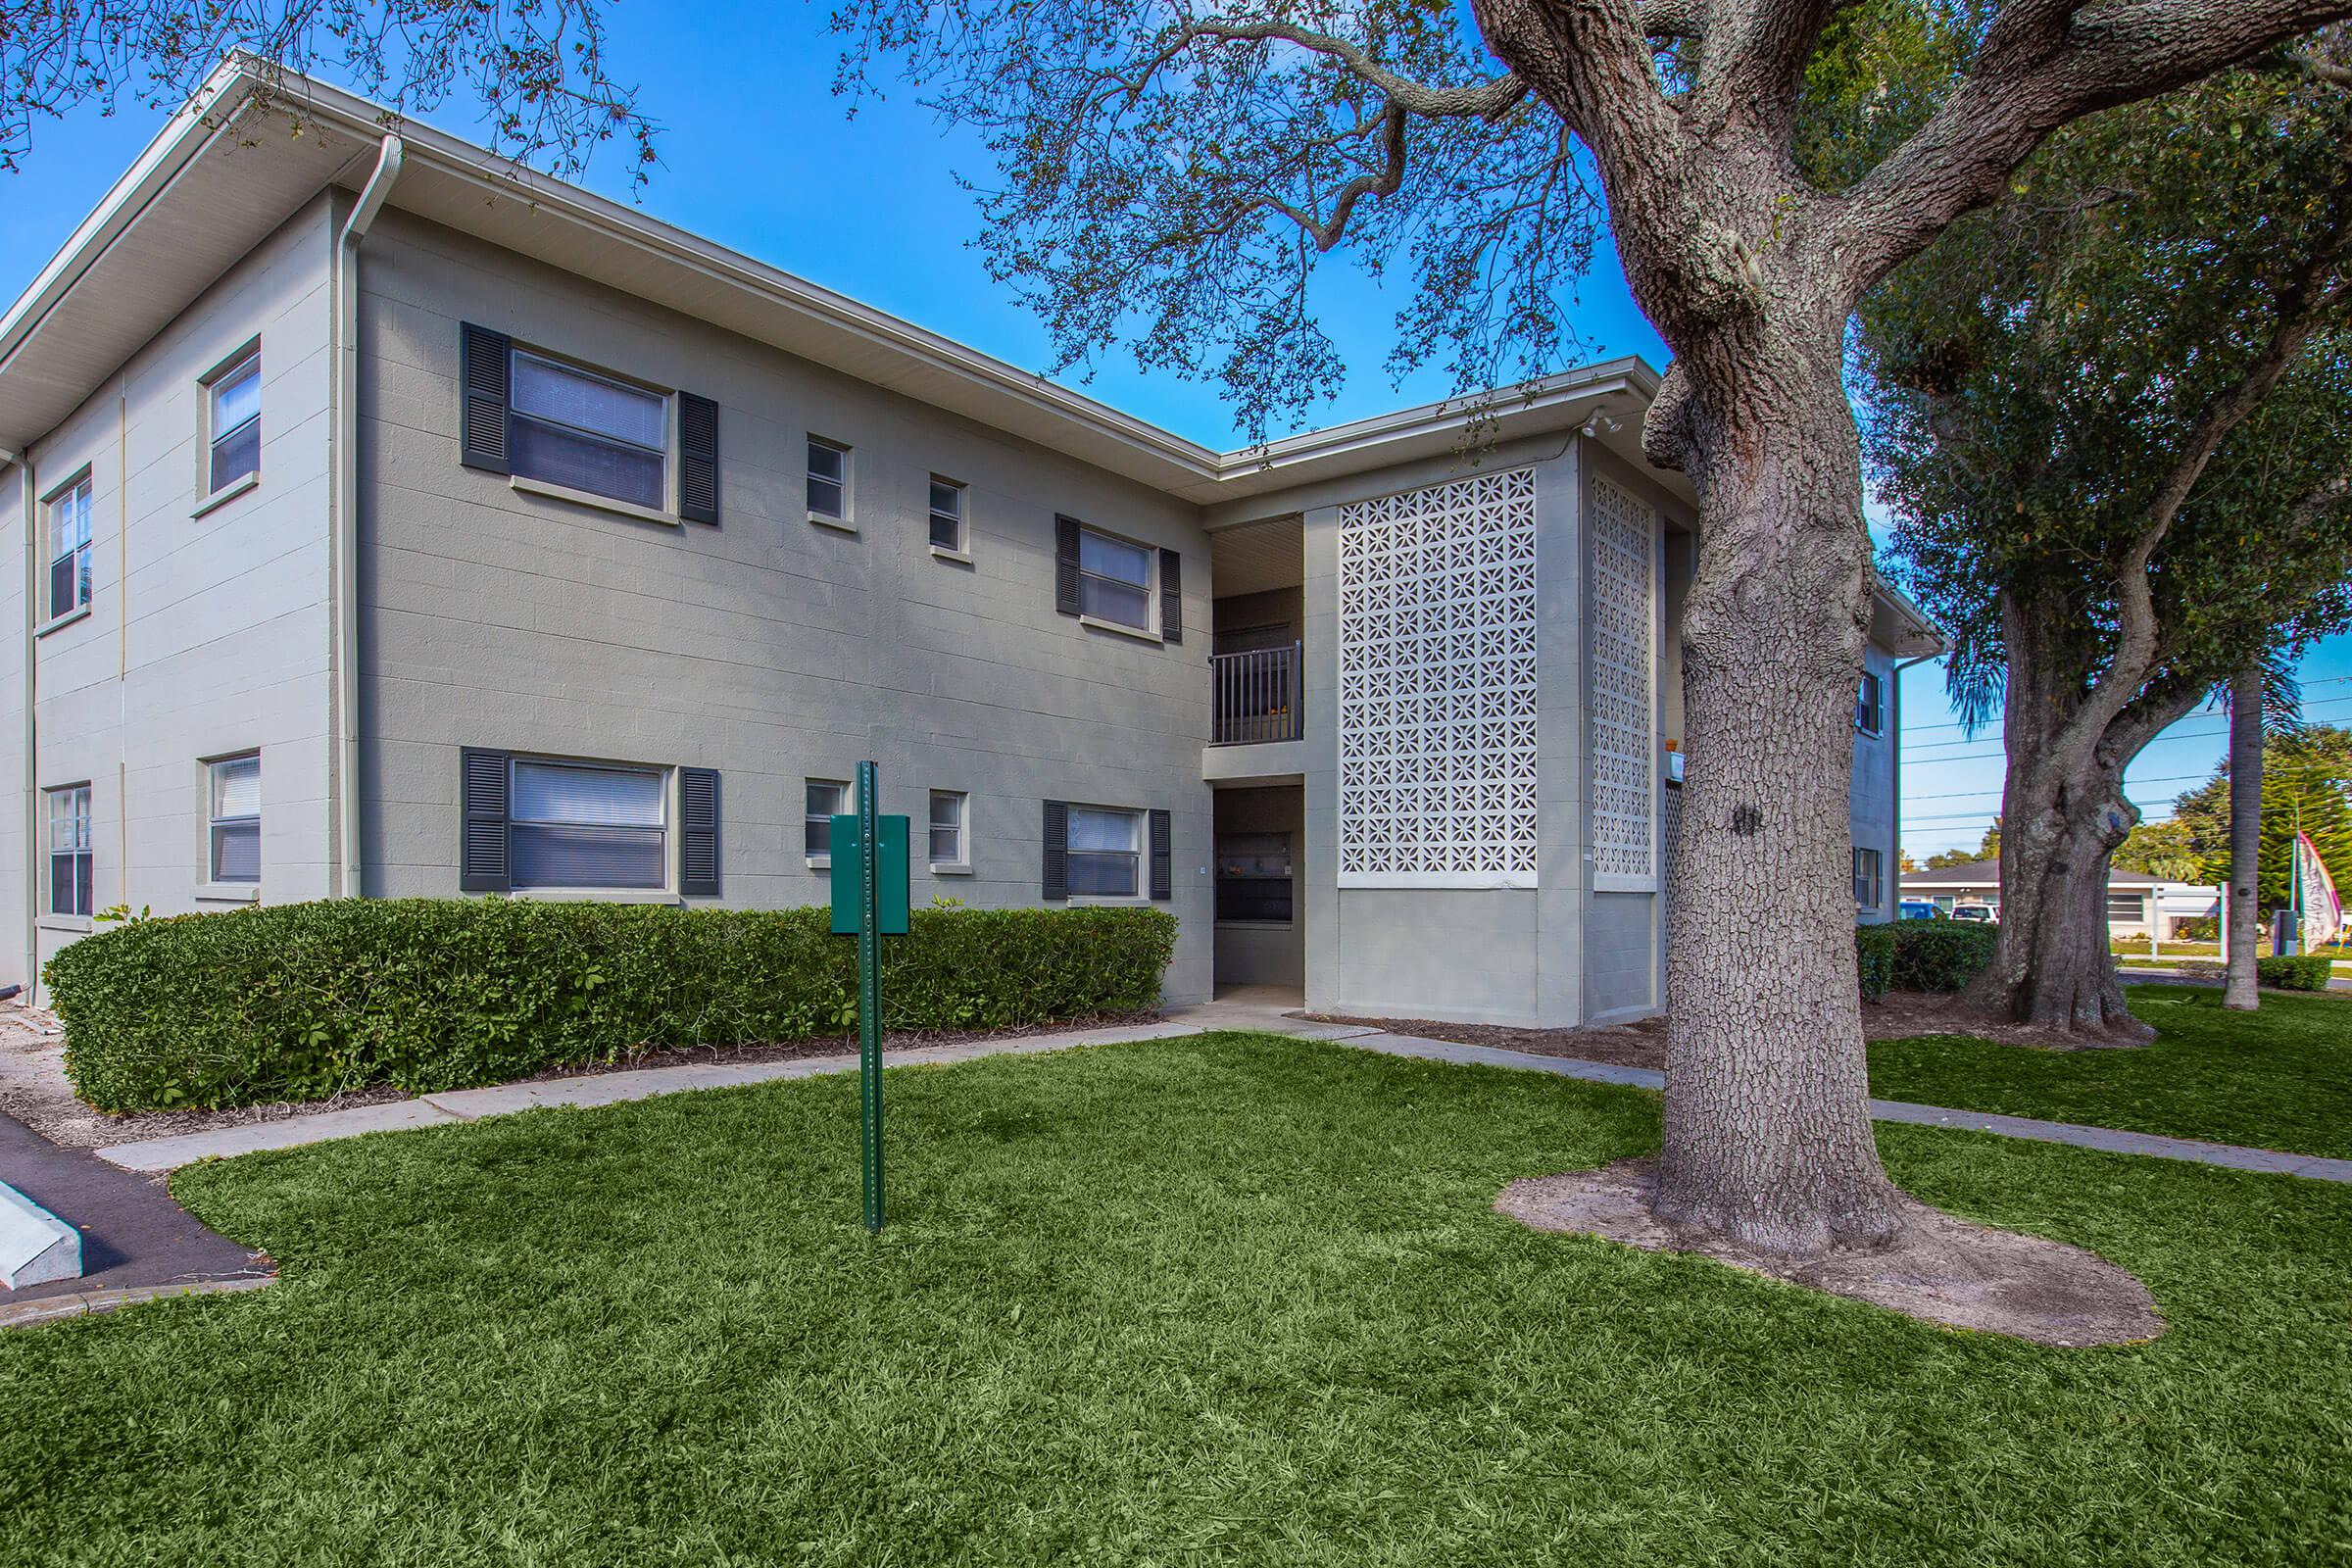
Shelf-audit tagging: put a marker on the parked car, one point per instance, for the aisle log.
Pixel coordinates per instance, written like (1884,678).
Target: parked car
(1972,911)
(1918,909)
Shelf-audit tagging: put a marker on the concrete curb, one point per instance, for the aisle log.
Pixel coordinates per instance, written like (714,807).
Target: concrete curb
(83,1304)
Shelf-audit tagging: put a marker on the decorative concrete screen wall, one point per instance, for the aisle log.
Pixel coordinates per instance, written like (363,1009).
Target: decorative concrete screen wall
(1623,540)
(1436,712)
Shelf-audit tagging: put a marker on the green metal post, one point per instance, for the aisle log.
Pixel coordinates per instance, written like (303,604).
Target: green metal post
(869,990)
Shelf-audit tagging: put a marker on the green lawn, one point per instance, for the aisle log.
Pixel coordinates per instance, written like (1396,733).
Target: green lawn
(2278,1078)
(1237,1300)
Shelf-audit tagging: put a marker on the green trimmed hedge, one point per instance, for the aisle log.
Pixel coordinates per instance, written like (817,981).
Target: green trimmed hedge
(2308,971)
(1922,955)
(304,1000)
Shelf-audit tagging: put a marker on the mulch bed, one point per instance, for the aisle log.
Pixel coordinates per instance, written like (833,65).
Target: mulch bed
(35,1091)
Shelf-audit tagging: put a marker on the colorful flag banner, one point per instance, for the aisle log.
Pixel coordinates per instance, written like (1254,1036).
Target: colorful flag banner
(2323,911)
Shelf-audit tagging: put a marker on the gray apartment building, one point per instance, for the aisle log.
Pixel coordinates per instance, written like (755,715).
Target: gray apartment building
(394,524)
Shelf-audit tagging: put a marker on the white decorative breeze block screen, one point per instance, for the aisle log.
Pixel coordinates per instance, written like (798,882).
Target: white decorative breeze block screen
(1624,545)
(1438,686)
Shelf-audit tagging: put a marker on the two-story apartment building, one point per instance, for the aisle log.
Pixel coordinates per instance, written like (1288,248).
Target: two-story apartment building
(396,524)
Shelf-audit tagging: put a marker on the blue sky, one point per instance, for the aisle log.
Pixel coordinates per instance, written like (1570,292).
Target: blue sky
(759,155)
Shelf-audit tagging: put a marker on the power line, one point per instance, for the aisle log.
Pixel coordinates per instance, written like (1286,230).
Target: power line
(2167,735)
(1991,719)
(1969,795)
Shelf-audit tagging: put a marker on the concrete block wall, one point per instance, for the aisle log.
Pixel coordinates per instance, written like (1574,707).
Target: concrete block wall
(770,647)
(204,635)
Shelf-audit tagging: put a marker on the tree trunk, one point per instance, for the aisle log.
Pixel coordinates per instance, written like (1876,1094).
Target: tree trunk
(2061,818)
(1768,1135)
(2245,914)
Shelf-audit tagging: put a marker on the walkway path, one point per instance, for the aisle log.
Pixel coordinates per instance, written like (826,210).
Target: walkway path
(469,1105)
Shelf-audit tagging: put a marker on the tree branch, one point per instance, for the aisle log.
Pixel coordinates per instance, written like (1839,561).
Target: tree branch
(1489,100)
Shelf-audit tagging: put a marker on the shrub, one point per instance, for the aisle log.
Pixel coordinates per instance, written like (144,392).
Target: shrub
(304,1000)
(2307,972)
(1874,956)
(2198,928)
(1922,955)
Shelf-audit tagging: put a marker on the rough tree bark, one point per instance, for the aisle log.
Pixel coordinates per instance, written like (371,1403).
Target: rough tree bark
(2245,914)
(1750,274)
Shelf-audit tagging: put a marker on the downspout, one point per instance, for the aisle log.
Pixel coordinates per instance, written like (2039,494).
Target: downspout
(344,524)
(1895,805)
(32,793)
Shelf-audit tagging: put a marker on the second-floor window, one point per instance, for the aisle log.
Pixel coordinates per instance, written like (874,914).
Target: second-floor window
(947,514)
(1870,705)
(586,431)
(69,850)
(233,422)
(1115,580)
(829,482)
(70,550)
(235,834)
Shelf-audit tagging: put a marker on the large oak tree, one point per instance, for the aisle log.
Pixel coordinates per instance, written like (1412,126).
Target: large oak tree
(1172,171)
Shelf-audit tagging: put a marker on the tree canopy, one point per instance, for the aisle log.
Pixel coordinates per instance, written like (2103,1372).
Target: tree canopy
(2306,785)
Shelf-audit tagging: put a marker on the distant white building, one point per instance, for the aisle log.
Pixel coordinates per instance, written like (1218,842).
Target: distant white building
(2136,902)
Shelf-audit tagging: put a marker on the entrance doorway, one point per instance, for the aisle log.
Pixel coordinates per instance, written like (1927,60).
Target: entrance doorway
(1260,918)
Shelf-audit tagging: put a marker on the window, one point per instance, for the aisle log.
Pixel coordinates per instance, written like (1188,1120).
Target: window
(947,827)
(235,788)
(1869,710)
(1866,879)
(1105,853)
(2126,906)
(586,826)
(234,423)
(829,480)
(1253,877)
(70,549)
(588,432)
(69,850)
(947,514)
(827,798)
(1115,580)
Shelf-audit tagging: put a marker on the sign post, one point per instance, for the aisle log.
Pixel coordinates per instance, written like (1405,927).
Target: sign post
(869,901)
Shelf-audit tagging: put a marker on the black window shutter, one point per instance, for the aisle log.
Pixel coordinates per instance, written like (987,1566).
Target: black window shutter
(1164,857)
(483,419)
(1172,597)
(698,832)
(483,821)
(697,459)
(1065,565)
(1057,850)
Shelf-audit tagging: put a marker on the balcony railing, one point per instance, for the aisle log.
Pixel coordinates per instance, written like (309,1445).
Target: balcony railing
(1258,694)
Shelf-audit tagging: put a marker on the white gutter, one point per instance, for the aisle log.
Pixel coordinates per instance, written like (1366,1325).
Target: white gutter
(343,409)
(32,790)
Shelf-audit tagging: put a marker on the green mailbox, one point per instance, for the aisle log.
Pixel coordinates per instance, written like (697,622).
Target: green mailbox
(889,876)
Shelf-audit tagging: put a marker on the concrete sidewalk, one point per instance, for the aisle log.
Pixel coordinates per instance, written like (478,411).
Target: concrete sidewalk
(611,1088)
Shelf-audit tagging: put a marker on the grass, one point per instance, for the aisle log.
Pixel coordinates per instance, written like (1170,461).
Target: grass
(1237,1300)
(2278,1078)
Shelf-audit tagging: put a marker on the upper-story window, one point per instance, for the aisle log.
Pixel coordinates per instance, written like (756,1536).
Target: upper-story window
(1869,706)
(947,514)
(588,432)
(70,547)
(233,422)
(235,827)
(829,482)
(1115,580)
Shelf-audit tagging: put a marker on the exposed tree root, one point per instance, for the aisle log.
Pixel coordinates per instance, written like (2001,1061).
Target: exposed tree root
(1938,1268)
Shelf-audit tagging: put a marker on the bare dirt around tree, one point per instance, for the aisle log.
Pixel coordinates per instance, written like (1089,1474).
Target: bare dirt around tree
(1937,1268)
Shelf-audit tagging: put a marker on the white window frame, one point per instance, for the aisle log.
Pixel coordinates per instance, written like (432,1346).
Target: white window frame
(82,850)
(1137,836)
(661,888)
(845,518)
(1876,688)
(820,860)
(84,582)
(1878,877)
(665,503)
(1148,626)
(213,822)
(247,356)
(962,859)
(961,547)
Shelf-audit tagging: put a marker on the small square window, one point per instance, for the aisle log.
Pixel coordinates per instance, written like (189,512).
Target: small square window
(827,798)
(70,549)
(948,809)
(233,423)
(1115,580)
(235,787)
(69,877)
(828,481)
(947,514)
